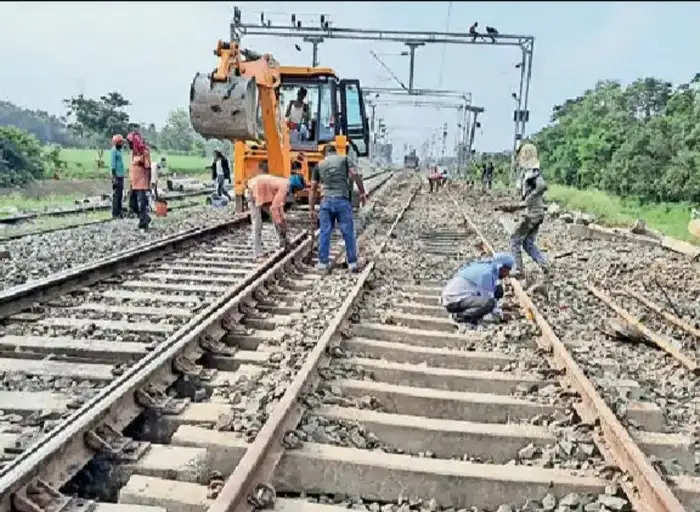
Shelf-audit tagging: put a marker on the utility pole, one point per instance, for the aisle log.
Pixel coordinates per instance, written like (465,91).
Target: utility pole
(315,41)
(373,142)
(412,47)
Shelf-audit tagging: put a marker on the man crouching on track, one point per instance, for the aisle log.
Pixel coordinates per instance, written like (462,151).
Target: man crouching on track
(336,174)
(269,192)
(473,292)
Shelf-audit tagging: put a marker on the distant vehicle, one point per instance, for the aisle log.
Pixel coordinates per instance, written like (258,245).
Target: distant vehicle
(411,160)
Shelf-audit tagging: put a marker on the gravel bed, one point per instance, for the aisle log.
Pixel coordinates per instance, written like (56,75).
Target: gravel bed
(611,500)
(405,261)
(577,316)
(37,256)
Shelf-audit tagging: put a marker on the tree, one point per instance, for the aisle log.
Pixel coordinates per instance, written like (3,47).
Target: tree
(641,141)
(20,157)
(47,128)
(178,134)
(99,119)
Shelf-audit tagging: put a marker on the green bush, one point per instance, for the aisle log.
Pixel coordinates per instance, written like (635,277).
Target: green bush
(20,157)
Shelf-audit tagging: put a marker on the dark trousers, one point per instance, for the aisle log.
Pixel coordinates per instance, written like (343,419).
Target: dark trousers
(142,202)
(471,309)
(117,194)
(220,188)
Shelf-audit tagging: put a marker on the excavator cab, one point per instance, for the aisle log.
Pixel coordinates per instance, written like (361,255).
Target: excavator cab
(253,101)
(333,107)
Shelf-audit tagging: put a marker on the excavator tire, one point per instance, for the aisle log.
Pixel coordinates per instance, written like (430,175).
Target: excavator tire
(224,110)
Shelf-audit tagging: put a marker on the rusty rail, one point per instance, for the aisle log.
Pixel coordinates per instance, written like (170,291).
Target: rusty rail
(678,322)
(263,455)
(648,491)
(660,341)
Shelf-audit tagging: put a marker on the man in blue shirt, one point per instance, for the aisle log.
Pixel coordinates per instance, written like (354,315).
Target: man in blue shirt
(117,164)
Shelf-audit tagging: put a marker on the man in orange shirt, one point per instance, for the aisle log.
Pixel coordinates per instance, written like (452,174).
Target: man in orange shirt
(269,192)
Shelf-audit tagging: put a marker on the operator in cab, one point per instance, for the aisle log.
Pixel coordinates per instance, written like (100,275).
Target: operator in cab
(473,293)
(336,174)
(269,192)
(298,117)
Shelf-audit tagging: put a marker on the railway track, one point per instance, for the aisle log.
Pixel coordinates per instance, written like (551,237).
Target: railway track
(12,219)
(66,356)
(373,400)
(177,198)
(658,449)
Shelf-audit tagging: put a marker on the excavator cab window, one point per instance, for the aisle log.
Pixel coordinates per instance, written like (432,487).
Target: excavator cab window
(354,119)
(301,121)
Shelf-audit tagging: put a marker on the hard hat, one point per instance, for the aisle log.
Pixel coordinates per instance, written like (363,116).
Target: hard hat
(117,139)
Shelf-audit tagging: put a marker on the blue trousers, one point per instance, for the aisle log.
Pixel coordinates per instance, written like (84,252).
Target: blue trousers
(340,209)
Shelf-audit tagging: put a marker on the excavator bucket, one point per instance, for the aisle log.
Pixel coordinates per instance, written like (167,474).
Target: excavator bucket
(224,110)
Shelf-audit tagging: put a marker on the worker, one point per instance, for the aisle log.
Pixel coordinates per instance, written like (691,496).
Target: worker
(298,116)
(296,181)
(487,176)
(474,291)
(492,32)
(269,192)
(139,175)
(433,179)
(220,174)
(336,174)
(473,32)
(532,189)
(117,164)
(157,169)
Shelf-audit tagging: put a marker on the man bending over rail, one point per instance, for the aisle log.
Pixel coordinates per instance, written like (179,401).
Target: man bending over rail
(474,291)
(269,192)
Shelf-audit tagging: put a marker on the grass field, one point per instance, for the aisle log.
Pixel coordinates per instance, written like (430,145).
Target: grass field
(669,218)
(82,163)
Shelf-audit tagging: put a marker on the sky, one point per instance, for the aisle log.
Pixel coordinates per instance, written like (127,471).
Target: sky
(150,51)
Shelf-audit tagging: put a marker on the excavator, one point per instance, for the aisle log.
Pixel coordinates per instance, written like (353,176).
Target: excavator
(242,100)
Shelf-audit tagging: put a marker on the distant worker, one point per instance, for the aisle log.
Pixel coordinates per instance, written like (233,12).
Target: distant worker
(298,116)
(443,176)
(269,192)
(532,189)
(474,291)
(158,168)
(473,32)
(140,175)
(336,174)
(220,173)
(492,32)
(434,179)
(487,176)
(117,164)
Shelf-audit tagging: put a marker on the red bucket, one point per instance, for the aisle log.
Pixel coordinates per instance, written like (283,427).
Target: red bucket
(161,208)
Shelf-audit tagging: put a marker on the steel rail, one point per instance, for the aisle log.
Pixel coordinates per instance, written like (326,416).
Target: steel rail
(116,402)
(649,491)
(661,342)
(17,236)
(263,455)
(89,209)
(17,298)
(117,398)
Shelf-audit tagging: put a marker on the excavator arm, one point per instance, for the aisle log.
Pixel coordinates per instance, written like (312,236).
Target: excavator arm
(226,103)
